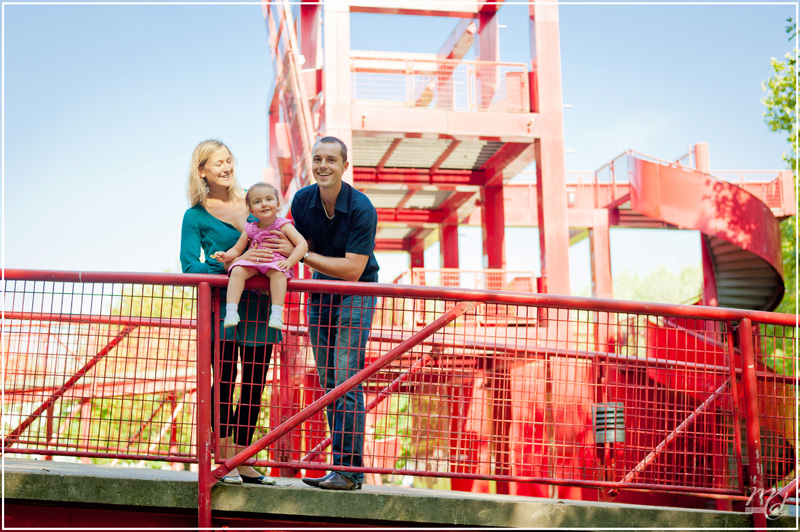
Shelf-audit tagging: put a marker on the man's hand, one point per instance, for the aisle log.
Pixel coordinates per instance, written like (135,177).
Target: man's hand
(280,243)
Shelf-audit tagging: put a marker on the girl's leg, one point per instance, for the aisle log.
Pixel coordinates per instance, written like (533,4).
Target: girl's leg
(277,287)
(277,291)
(239,275)
(255,363)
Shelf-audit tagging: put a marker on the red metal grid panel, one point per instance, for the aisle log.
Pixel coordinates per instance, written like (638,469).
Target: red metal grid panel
(560,391)
(99,369)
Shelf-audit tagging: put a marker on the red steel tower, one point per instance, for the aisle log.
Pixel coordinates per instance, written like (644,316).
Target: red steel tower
(433,136)
(435,140)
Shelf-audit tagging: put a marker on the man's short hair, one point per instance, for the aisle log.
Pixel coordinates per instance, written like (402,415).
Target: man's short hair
(334,140)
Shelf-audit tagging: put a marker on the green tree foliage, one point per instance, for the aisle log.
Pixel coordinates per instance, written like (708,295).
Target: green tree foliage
(660,285)
(781,115)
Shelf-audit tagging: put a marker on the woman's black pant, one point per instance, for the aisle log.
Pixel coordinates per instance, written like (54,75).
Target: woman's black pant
(240,419)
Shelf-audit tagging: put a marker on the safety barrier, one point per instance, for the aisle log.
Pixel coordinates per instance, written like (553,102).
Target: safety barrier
(598,394)
(441,84)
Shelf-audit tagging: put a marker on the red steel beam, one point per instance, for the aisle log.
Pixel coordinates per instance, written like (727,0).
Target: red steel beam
(460,40)
(389,152)
(418,175)
(443,157)
(429,9)
(506,163)
(389,244)
(409,194)
(410,216)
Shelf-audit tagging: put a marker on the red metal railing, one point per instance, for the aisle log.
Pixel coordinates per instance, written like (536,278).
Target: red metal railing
(513,281)
(441,84)
(600,395)
(611,183)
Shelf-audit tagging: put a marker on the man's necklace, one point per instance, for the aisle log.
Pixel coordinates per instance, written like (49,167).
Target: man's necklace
(324,208)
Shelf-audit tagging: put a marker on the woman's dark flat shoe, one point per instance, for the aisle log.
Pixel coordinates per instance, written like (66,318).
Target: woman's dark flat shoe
(264,481)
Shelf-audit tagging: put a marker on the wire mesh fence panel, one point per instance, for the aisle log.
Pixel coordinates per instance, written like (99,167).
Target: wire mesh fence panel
(776,357)
(583,397)
(99,369)
(393,381)
(443,84)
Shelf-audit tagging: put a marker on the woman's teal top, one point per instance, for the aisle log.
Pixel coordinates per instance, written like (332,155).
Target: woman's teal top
(201,230)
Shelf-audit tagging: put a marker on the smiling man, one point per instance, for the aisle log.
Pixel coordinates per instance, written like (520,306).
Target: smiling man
(339,223)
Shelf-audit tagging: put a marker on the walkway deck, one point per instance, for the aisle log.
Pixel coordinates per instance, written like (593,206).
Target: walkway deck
(58,494)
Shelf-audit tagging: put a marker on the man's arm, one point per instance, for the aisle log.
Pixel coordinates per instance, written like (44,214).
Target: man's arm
(348,268)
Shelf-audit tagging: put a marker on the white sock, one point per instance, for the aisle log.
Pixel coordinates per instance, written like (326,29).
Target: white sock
(277,310)
(230,308)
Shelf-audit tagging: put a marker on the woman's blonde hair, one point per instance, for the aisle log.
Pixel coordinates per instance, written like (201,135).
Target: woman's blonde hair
(198,189)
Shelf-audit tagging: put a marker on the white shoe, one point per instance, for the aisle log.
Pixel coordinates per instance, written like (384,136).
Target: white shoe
(234,479)
(232,320)
(276,322)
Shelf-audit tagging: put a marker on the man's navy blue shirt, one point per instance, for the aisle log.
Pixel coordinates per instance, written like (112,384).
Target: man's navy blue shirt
(352,229)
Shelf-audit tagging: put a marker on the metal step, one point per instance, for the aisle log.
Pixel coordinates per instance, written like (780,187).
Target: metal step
(745,273)
(753,262)
(742,302)
(741,291)
(746,281)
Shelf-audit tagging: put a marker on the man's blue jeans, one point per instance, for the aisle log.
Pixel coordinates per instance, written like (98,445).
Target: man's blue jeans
(338,327)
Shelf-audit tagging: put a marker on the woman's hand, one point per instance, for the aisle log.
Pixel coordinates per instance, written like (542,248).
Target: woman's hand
(255,254)
(280,243)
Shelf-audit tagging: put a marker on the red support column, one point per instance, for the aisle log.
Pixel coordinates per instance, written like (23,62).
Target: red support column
(417,253)
(448,250)
(549,149)
(204,476)
(600,254)
(709,274)
(600,257)
(336,75)
(493,227)
(702,162)
(488,50)
(309,32)
(755,468)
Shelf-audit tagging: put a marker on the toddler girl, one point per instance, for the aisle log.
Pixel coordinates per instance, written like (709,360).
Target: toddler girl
(263,201)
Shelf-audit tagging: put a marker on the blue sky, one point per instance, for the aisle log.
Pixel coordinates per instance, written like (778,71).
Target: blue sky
(104,103)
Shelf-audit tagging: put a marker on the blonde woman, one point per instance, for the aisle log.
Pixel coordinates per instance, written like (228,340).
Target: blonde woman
(214,221)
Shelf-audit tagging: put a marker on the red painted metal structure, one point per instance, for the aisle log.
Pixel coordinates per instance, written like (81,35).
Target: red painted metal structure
(437,141)
(470,385)
(433,136)
(537,394)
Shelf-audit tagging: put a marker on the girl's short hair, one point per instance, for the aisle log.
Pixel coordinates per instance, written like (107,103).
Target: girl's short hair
(197,190)
(261,184)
